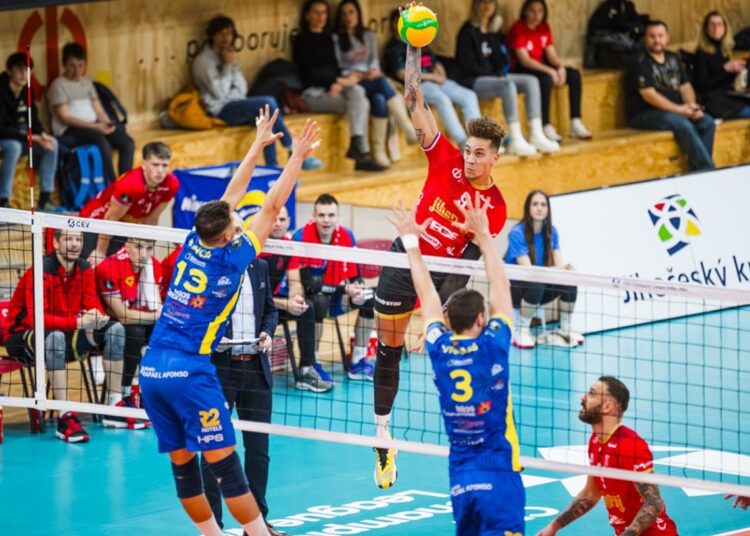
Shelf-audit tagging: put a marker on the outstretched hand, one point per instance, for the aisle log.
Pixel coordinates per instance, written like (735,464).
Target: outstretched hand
(304,144)
(404,221)
(474,212)
(264,123)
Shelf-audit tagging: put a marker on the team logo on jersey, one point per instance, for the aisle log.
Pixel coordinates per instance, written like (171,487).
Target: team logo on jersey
(496,369)
(484,407)
(224,281)
(130,280)
(675,222)
(457,173)
(499,385)
(198,302)
(209,419)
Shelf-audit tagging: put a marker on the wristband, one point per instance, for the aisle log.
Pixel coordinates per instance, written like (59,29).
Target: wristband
(410,241)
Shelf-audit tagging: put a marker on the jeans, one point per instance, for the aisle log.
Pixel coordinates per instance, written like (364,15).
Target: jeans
(379,92)
(744,113)
(47,162)
(573,81)
(507,88)
(443,97)
(244,112)
(119,139)
(352,101)
(695,138)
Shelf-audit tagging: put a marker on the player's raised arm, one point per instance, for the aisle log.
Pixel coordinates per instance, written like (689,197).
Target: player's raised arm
(421,115)
(475,222)
(264,136)
(279,193)
(409,231)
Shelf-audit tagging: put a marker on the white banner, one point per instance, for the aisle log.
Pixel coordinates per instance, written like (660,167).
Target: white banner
(690,228)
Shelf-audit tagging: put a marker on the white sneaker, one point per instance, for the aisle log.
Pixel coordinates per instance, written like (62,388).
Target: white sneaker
(558,338)
(520,147)
(578,130)
(524,339)
(551,132)
(545,144)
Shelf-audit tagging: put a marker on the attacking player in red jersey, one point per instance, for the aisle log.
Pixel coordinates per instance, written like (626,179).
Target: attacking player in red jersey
(634,508)
(453,176)
(138,196)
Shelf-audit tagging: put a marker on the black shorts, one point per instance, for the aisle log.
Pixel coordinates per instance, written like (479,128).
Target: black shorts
(395,296)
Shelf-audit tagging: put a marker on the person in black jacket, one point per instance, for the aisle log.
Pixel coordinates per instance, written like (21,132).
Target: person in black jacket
(326,89)
(715,70)
(14,130)
(614,33)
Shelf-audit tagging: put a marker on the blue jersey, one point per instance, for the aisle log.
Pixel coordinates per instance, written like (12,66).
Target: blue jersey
(203,293)
(473,381)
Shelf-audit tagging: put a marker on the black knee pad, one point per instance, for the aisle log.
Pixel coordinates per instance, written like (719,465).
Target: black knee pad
(188,479)
(230,476)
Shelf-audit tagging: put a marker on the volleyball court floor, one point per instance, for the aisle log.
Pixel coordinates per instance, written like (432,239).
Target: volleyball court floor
(686,401)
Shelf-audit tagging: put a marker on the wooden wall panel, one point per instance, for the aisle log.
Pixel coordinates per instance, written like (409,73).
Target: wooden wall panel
(142,47)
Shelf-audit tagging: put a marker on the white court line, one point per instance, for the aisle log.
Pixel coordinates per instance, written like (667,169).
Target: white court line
(739,532)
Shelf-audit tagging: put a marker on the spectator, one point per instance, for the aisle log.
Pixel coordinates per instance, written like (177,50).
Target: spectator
(535,242)
(246,380)
(167,269)
(715,70)
(482,56)
(659,96)
(530,39)
(357,55)
(74,323)
(335,287)
(613,33)
(297,308)
(218,76)
(78,117)
(139,196)
(14,131)
(128,283)
(326,90)
(439,90)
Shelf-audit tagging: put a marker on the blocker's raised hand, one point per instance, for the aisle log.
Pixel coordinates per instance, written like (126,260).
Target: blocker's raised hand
(264,123)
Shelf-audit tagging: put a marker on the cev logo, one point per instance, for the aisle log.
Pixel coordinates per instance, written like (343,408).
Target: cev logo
(50,22)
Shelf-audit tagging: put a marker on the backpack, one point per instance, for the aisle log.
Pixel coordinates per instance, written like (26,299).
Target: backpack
(111,104)
(186,110)
(281,80)
(81,176)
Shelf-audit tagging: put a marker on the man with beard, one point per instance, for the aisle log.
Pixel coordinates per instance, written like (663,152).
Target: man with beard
(634,508)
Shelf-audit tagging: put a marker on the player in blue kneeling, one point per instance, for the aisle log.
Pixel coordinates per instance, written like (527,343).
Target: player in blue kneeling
(469,356)
(181,393)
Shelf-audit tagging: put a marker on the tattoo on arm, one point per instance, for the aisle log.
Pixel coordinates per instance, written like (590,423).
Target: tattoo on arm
(650,510)
(574,511)
(421,136)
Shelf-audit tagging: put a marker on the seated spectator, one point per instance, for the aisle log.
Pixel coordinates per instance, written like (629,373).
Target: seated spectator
(217,75)
(534,241)
(658,96)
(139,196)
(74,325)
(167,269)
(78,117)
(533,52)
(335,287)
(613,34)
(357,54)
(297,308)
(129,283)
(14,130)
(715,70)
(326,90)
(439,91)
(482,56)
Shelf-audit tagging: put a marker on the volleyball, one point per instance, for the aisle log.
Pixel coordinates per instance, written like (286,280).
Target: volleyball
(418,26)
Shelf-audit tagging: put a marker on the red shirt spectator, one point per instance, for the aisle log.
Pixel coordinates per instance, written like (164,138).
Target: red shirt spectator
(167,270)
(115,277)
(534,41)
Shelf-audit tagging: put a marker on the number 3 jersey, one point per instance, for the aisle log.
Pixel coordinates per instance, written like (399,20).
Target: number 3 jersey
(203,294)
(473,383)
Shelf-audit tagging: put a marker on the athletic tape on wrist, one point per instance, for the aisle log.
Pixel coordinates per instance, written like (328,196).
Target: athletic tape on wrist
(410,241)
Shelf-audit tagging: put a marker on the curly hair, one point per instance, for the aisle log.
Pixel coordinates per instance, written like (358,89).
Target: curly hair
(485,128)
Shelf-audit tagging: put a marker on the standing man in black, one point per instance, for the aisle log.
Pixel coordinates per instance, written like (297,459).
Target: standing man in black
(245,375)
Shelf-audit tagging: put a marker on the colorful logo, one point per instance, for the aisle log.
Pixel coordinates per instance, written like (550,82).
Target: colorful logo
(675,222)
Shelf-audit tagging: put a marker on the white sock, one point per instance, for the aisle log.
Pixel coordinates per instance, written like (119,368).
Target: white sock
(210,527)
(114,398)
(565,321)
(257,527)
(359,353)
(127,390)
(304,370)
(382,425)
(317,357)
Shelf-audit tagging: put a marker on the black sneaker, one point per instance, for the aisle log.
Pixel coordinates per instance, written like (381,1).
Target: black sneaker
(131,423)
(69,428)
(366,163)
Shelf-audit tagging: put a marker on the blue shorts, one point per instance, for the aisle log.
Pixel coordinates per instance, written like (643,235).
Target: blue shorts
(183,398)
(487,503)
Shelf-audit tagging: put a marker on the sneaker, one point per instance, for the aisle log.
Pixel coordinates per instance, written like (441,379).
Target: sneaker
(578,130)
(275,532)
(313,381)
(311,163)
(69,428)
(545,144)
(322,373)
(524,339)
(573,336)
(551,132)
(518,146)
(361,370)
(131,423)
(385,467)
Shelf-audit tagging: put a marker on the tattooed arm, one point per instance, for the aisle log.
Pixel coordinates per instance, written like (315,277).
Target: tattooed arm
(584,501)
(650,510)
(421,115)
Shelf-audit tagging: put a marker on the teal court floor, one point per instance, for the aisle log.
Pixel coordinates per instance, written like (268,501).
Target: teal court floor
(690,400)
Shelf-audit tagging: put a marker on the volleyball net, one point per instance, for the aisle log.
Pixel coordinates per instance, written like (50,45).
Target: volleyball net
(683,350)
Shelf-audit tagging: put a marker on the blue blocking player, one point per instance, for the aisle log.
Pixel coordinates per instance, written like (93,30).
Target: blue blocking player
(469,356)
(181,393)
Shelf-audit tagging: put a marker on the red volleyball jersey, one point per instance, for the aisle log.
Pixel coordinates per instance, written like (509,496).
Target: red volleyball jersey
(625,449)
(115,277)
(445,184)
